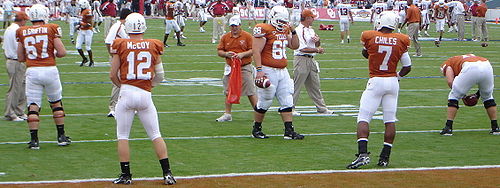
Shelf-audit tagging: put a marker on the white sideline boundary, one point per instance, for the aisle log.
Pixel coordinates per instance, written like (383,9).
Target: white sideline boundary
(264,174)
(248,136)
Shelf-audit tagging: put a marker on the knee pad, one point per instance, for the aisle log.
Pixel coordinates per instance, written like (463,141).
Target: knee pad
(57,111)
(34,118)
(287,109)
(489,103)
(453,103)
(259,110)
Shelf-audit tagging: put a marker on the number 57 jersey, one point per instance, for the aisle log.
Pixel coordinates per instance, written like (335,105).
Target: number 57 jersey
(38,43)
(138,58)
(385,51)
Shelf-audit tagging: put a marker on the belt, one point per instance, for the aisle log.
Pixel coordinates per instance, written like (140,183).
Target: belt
(218,15)
(12,59)
(306,55)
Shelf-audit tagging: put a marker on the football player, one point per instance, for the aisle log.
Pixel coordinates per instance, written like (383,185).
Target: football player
(298,6)
(461,73)
(200,12)
(270,42)
(377,9)
(38,46)
(251,13)
(344,9)
(170,24)
(180,8)
(440,14)
(384,49)
(401,7)
(85,33)
(72,11)
(136,69)
(424,6)
(98,18)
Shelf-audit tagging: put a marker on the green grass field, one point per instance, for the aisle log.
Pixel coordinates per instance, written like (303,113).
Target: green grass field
(188,109)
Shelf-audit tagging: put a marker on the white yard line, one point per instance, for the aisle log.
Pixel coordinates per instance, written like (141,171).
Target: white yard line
(266,174)
(248,136)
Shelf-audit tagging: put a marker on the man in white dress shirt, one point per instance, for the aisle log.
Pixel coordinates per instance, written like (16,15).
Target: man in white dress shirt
(305,68)
(15,100)
(116,31)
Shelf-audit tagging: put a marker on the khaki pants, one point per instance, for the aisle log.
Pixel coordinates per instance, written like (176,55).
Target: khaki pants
(306,72)
(218,28)
(474,25)
(15,99)
(413,33)
(108,22)
(461,26)
(481,29)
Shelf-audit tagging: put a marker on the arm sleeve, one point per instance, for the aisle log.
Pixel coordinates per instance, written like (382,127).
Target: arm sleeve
(405,60)
(159,74)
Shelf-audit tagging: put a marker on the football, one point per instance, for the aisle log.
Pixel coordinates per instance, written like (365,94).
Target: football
(484,44)
(264,82)
(470,100)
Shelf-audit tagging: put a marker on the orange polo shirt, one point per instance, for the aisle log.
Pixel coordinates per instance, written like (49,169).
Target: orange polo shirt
(481,10)
(413,14)
(239,44)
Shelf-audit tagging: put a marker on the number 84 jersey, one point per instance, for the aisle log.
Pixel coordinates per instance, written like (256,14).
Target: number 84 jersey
(38,42)
(274,52)
(138,58)
(385,51)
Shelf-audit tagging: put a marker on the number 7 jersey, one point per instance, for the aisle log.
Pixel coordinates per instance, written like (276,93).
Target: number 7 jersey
(385,51)
(274,52)
(38,43)
(138,58)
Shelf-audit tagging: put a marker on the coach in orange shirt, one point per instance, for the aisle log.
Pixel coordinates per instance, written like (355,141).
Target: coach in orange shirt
(481,29)
(237,44)
(413,19)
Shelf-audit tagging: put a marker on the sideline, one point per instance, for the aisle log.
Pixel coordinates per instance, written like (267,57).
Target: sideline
(264,174)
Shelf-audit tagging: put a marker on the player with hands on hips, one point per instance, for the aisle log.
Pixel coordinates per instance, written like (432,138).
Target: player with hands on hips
(384,49)
(136,69)
(269,52)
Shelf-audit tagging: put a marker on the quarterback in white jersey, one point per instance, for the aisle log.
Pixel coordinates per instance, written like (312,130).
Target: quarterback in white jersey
(377,9)
(345,18)
(298,6)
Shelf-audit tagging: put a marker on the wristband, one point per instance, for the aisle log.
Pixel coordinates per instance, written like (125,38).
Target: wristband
(259,68)
(294,32)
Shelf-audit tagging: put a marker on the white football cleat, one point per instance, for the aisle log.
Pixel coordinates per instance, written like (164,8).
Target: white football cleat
(225,117)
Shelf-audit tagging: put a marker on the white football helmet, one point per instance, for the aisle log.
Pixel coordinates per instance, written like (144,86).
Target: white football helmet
(38,12)
(279,17)
(135,24)
(387,19)
(84,4)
